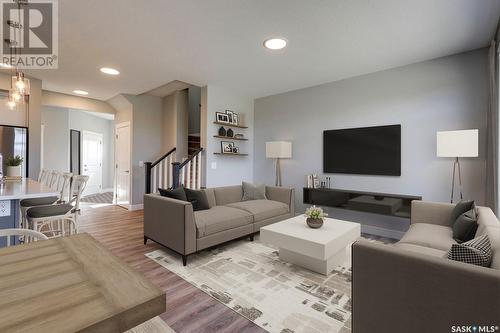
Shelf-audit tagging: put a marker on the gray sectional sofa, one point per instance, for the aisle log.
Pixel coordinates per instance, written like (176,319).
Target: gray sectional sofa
(412,287)
(173,223)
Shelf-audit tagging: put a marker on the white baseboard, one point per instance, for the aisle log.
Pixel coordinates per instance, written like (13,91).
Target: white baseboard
(136,207)
(372,230)
(104,190)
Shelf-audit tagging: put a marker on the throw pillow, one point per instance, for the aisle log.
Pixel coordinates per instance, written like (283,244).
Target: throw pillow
(253,191)
(177,193)
(198,199)
(476,251)
(459,209)
(465,227)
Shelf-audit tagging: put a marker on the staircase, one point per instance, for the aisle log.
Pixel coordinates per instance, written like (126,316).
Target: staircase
(193,144)
(166,173)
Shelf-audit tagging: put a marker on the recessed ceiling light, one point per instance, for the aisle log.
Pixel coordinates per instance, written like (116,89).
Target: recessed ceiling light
(81,92)
(275,43)
(109,71)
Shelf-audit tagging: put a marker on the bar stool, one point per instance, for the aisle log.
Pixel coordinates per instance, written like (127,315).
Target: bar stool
(50,219)
(60,182)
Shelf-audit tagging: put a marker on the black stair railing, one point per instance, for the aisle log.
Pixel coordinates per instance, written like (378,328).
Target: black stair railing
(158,174)
(188,173)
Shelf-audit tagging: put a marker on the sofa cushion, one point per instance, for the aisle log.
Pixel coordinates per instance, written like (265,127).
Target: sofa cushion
(459,209)
(177,193)
(220,218)
(485,219)
(476,251)
(262,209)
(253,191)
(429,235)
(465,226)
(197,198)
(228,194)
(421,249)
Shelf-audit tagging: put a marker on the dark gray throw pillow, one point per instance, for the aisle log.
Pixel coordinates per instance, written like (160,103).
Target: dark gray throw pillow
(177,193)
(253,191)
(477,251)
(198,199)
(459,209)
(465,227)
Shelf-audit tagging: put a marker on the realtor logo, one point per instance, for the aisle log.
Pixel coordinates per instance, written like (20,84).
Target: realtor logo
(29,33)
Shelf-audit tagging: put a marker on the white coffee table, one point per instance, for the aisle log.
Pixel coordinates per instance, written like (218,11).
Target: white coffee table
(319,250)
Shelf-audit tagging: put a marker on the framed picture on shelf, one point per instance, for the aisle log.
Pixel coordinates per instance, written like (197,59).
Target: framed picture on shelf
(230,115)
(227,147)
(235,119)
(236,150)
(222,117)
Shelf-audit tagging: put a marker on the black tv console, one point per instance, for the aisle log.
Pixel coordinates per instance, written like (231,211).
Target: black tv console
(378,203)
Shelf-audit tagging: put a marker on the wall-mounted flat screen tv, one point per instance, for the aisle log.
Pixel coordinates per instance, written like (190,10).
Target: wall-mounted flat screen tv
(363,151)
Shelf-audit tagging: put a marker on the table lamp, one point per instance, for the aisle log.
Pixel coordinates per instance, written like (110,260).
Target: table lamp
(463,143)
(278,150)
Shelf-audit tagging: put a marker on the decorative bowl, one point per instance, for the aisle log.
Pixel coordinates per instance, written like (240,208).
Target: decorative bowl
(314,223)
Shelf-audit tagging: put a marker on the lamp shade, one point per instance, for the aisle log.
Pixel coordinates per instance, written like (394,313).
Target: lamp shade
(278,149)
(462,143)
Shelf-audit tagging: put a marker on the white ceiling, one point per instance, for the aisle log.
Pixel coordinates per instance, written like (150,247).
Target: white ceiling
(219,42)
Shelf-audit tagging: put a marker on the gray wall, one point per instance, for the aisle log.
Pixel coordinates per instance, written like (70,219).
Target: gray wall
(82,121)
(194,96)
(229,170)
(443,94)
(147,139)
(55,138)
(58,122)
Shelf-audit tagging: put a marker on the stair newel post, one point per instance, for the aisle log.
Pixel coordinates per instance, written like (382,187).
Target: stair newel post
(176,170)
(148,166)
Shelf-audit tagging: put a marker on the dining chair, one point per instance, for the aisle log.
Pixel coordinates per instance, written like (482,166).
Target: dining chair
(28,235)
(52,219)
(60,182)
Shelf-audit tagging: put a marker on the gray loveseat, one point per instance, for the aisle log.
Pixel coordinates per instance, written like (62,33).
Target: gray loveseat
(412,287)
(173,223)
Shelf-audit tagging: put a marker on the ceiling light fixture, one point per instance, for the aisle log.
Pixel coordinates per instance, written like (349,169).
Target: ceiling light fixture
(275,43)
(19,85)
(110,71)
(80,92)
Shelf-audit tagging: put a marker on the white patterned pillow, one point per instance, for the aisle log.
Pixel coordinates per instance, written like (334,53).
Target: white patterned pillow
(476,251)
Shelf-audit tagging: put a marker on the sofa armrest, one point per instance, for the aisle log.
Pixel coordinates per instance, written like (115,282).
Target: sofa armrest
(394,290)
(431,212)
(282,194)
(170,222)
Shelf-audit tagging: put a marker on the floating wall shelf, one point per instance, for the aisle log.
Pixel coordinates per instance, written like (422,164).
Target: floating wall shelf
(230,138)
(230,154)
(229,125)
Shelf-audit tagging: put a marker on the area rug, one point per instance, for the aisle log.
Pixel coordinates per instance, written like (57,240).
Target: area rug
(99,198)
(249,278)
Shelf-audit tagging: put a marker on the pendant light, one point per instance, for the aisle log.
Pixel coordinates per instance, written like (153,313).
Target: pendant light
(19,86)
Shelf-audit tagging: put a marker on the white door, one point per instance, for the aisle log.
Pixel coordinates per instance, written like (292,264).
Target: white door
(122,158)
(92,161)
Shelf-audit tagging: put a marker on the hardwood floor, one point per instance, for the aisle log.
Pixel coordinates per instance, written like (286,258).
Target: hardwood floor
(188,308)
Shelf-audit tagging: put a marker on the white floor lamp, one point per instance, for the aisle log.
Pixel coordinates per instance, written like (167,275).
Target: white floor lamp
(457,144)
(278,150)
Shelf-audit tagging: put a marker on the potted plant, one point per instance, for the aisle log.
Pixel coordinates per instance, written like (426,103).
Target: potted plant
(14,166)
(315,217)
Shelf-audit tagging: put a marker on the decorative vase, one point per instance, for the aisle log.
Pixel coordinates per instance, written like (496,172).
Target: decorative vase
(230,133)
(14,171)
(222,131)
(314,223)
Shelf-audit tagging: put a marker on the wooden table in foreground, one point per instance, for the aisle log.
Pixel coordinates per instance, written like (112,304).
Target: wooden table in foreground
(72,284)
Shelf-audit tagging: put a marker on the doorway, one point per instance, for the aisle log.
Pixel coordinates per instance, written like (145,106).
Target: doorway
(91,164)
(122,167)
